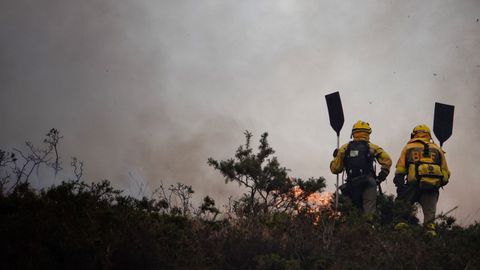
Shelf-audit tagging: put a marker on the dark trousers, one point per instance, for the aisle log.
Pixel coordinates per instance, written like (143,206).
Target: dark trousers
(362,191)
(426,198)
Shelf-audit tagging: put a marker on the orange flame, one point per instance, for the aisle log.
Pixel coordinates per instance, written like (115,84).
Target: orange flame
(316,202)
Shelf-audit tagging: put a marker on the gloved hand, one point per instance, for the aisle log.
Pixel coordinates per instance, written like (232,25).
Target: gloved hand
(398,180)
(335,152)
(382,176)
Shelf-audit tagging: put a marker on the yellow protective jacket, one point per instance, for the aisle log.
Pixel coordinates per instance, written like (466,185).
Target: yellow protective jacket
(413,152)
(336,165)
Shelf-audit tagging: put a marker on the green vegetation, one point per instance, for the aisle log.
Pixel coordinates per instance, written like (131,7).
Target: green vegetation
(79,225)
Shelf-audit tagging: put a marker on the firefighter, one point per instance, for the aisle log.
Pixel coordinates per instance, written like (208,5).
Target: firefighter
(357,159)
(420,172)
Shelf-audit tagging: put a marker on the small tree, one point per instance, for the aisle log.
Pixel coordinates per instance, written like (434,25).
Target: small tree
(267,182)
(208,210)
(17,166)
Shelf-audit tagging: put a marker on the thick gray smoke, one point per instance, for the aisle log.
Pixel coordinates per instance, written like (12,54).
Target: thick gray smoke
(146,91)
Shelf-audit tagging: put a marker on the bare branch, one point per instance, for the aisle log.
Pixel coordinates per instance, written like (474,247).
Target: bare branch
(52,140)
(77,168)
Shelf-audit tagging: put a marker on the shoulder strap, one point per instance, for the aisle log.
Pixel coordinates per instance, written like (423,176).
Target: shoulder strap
(426,148)
(347,149)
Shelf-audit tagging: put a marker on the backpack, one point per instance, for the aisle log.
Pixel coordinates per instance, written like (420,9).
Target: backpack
(425,170)
(358,160)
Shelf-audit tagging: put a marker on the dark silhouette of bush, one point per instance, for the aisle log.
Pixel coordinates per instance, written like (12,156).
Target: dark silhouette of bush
(268,184)
(88,226)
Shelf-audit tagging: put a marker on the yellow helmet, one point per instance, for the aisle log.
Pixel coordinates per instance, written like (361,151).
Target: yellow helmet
(420,129)
(361,126)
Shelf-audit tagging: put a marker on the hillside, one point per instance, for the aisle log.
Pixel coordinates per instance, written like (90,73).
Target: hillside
(80,225)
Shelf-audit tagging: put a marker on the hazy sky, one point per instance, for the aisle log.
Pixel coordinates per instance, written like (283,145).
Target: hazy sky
(145,91)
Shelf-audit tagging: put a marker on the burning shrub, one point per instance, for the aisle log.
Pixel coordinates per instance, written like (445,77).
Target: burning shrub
(269,187)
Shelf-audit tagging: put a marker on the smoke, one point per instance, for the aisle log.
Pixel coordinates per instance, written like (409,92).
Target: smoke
(146,91)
